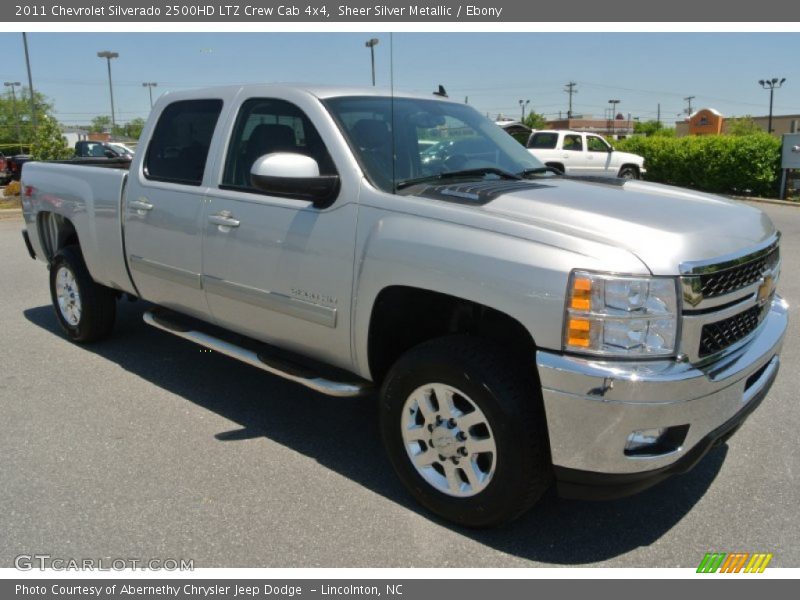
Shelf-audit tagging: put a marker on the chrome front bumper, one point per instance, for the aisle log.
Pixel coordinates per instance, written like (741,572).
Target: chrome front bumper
(592,406)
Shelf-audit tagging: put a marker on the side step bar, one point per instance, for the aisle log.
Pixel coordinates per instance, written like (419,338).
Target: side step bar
(276,366)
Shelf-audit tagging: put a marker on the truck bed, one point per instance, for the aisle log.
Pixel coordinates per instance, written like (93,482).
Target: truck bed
(89,194)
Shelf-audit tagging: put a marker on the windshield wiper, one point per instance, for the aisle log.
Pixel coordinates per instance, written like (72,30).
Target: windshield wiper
(539,170)
(501,173)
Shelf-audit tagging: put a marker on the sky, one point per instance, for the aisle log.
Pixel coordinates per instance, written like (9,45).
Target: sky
(492,70)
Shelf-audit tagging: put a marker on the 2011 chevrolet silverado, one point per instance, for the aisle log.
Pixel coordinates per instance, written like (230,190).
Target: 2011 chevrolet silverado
(520,327)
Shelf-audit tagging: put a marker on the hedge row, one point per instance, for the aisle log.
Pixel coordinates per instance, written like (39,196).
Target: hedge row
(746,164)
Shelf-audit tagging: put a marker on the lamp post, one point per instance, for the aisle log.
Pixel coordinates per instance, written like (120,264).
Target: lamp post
(150,85)
(12,85)
(522,106)
(613,104)
(771,85)
(108,56)
(30,79)
(371,43)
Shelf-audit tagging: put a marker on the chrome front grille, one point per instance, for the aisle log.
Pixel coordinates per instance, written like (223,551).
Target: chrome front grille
(715,337)
(724,301)
(735,278)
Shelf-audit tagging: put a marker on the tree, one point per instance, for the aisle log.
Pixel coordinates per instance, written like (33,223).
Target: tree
(653,128)
(133,128)
(49,143)
(8,121)
(100,124)
(742,126)
(535,121)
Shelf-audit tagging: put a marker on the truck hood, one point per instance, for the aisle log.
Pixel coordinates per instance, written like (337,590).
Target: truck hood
(663,226)
(627,157)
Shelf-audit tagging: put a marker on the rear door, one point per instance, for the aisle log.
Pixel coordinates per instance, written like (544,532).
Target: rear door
(163,216)
(574,154)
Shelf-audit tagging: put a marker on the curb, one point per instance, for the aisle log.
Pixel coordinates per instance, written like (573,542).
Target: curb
(766,201)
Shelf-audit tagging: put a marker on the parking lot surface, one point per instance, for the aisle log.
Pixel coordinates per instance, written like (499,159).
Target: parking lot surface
(145,446)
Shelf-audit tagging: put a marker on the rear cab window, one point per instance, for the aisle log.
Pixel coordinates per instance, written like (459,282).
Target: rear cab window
(178,149)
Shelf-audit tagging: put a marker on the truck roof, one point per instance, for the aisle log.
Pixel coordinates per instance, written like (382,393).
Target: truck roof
(320,91)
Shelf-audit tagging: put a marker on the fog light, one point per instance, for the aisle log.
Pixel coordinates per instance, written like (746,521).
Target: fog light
(655,442)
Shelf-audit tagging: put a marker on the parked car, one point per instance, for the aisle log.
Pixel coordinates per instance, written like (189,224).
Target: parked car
(14,165)
(580,153)
(5,175)
(94,149)
(516,327)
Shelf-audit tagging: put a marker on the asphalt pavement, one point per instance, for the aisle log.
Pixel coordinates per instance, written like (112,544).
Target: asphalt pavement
(144,446)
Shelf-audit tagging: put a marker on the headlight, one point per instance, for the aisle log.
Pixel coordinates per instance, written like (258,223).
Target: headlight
(615,315)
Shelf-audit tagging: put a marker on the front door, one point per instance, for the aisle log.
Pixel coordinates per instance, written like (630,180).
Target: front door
(275,267)
(600,153)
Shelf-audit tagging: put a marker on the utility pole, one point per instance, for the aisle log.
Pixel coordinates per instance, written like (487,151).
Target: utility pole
(371,43)
(150,85)
(108,56)
(30,80)
(689,99)
(570,89)
(12,85)
(771,85)
(613,115)
(658,118)
(522,105)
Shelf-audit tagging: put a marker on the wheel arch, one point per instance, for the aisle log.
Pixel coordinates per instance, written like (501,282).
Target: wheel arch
(55,232)
(404,316)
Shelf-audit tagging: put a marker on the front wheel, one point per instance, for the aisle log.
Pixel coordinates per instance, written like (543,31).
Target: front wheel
(85,309)
(629,173)
(465,431)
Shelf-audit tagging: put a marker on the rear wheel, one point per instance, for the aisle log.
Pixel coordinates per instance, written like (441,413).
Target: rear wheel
(464,428)
(85,309)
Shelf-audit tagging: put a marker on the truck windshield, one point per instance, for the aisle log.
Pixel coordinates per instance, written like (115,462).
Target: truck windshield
(402,141)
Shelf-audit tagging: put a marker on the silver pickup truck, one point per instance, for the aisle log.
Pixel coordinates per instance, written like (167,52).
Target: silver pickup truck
(517,327)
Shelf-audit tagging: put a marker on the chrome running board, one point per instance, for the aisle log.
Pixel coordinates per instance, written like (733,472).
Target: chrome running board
(277,366)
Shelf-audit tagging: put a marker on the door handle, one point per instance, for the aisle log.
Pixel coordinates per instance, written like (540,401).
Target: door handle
(141,205)
(224,219)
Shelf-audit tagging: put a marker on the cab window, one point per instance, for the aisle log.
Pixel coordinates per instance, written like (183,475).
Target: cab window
(178,150)
(573,142)
(543,141)
(265,126)
(596,144)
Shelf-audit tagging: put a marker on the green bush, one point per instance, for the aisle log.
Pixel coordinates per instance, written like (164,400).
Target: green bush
(740,164)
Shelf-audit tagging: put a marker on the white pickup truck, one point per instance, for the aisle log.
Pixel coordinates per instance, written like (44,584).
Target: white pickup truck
(517,327)
(583,154)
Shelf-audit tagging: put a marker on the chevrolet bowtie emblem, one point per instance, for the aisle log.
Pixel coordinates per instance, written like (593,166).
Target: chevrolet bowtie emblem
(765,290)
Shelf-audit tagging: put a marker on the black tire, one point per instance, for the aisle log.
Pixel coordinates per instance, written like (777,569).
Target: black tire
(628,173)
(507,391)
(98,304)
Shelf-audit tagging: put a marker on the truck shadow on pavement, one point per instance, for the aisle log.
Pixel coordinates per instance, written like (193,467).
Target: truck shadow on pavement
(555,531)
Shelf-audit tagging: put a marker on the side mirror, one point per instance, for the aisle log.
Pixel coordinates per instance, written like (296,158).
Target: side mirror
(109,154)
(294,175)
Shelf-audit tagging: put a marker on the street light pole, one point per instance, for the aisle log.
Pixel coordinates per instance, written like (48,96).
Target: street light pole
(771,85)
(108,56)
(522,105)
(613,104)
(12,85)
(150,85)
(30,80)
(371,43)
